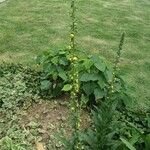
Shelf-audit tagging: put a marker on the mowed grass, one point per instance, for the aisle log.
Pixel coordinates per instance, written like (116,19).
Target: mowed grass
(27,27)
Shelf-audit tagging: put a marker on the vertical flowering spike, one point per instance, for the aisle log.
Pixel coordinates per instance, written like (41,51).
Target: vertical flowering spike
(73,28)
(111,86)
(75,105)
(119,52)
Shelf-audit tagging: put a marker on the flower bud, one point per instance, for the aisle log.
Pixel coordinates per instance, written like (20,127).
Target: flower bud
(78,125)
(72,108)
(75,58)
(72,35)
(69,47)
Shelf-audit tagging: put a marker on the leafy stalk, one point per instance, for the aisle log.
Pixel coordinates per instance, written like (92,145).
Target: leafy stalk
(119,52)
(75,106)
(115,68)
(73,27)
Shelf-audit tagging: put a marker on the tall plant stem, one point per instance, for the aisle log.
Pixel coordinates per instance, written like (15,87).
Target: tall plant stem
(115,68)
(73,27)
(75,106)
(119,52)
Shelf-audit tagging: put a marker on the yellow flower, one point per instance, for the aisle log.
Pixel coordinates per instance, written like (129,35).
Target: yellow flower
(69,47)
(77,90)
(78,125)
(73,93)
(75,58)
(72,35)
(77,81)
(72,108)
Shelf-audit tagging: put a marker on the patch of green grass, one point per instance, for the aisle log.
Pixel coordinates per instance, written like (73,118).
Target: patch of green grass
(29,27)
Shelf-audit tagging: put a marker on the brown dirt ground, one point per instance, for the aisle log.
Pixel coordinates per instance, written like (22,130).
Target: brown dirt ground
(51,116)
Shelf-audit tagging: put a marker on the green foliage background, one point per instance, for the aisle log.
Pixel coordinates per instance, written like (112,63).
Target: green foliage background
(29,27)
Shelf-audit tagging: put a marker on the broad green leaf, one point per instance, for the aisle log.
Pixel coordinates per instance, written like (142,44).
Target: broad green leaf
(49,68)
(101,81)
(63,61)
(67,87)
(61,52)
(87,63)
(89,77)
(108,75)
(45,85)
(98,62)
(62,74)
(128,145)
(89,87)
(98,93)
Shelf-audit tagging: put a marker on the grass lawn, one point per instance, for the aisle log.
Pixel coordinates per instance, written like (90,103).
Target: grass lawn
(28,27)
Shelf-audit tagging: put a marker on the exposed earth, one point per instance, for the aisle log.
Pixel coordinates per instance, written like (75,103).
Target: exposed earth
(44,121)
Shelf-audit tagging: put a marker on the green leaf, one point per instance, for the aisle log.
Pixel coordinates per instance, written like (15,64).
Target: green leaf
(61,52)
(62,74)
(89,77)
(128,145)
(87,63)
(67,87)
(101,81)
(98,93)
(89,87)
(63,61)
(98,62)
(45,85)
(108,75)
(49,68)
